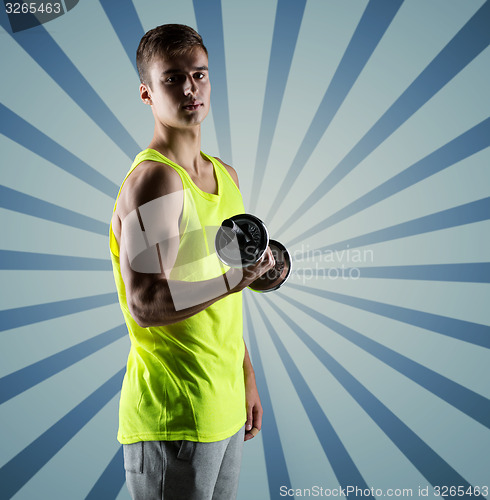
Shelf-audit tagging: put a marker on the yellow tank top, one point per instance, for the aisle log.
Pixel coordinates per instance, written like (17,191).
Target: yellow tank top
(185,380)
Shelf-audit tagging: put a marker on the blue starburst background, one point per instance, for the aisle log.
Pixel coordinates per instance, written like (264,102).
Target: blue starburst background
(360,132)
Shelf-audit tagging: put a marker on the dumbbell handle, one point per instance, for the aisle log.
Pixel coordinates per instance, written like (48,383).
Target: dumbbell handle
(235,229)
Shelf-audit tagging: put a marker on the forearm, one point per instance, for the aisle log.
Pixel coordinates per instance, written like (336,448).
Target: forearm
(248,370)
(254,407)
(168,301)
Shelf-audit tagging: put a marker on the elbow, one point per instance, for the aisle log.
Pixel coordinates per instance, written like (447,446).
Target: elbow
(151,305)
(138,314)
(142,322)
(145,316)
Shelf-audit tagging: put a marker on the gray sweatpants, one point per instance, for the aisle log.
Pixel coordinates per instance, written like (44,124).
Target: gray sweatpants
(184,470)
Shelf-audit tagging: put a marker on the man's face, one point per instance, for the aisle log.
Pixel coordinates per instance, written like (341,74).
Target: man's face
(180,89)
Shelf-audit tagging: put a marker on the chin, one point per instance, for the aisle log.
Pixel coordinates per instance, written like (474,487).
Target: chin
(196,119)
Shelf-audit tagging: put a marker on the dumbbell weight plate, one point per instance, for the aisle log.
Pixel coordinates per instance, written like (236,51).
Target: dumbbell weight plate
(277,276)
(231,250)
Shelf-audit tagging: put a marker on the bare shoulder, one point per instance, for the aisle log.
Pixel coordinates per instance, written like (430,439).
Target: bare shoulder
(148,181)
(230,170)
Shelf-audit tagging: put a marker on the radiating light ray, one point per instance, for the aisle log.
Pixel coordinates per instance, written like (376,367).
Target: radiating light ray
(374,22)
(341,462)
(467,331)
(465,46)
(111,480)
(14,260)
(431,465)
(15,383)
(468,213)
(289,14)
(210,26)
(54,61)
(21,468)
(474,272)
(465,145)
(22,203)
(126,24)
(465,400)
(22,132)
(277,471)
(28,315)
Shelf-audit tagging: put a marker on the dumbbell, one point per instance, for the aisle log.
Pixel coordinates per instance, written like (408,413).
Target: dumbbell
(242,240)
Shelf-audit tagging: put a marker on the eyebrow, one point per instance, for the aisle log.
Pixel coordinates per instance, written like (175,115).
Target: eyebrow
(178,70)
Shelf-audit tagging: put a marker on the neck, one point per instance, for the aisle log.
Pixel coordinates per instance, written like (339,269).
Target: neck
(182,146)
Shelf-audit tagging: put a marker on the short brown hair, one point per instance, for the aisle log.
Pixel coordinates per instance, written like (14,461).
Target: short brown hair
(168,40)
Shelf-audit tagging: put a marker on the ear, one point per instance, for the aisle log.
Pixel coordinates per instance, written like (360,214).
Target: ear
(145,93)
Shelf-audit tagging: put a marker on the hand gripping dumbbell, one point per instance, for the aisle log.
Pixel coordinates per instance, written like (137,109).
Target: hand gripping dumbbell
(242,240)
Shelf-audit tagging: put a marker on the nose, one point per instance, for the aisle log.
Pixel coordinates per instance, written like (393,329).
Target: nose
(190,88)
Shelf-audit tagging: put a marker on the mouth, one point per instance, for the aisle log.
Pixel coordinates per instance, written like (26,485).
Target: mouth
(193,106)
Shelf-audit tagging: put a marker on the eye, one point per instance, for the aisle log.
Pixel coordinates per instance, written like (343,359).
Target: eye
(173,79)
(199,76)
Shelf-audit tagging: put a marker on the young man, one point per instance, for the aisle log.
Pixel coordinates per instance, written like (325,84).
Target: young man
(189,387)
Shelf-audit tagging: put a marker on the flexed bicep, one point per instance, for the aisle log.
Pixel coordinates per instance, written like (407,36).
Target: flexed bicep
(151,234)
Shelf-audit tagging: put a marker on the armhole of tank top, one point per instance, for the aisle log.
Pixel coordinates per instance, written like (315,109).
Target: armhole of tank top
(223,169)
(113,243)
